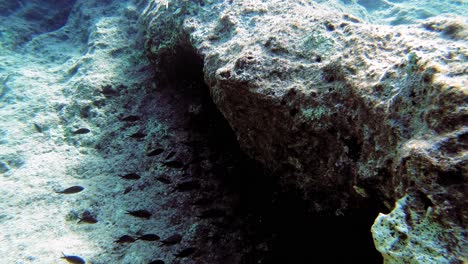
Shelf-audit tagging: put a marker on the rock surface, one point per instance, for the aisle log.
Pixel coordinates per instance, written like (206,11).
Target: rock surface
(79,107)
(352,114)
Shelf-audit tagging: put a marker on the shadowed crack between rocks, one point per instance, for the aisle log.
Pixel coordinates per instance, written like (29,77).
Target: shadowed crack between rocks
(195,181)
(272,223)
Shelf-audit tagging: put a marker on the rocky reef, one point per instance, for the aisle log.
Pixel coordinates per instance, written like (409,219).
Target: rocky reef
(352,114)
(227,131)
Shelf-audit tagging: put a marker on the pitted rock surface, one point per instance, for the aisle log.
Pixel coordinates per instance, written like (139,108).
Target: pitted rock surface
(354,115)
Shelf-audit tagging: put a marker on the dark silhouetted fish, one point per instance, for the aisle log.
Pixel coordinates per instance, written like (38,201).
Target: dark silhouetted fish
(38,127)
(131,118)
(170,155)
(87,217)
(71,190)
(138,135)
(73,259)
(148,237)
(125,239)
(212,213)
(158,261)
(140,213)
(187,186)
(81,131)
(172,240)
(164,179)
(127,190)
(108,90)
(186,252)
(131,176)
(176,164)
(154,152)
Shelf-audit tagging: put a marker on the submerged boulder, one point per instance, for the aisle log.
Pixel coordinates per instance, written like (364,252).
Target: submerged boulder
(411,235)
(352,114)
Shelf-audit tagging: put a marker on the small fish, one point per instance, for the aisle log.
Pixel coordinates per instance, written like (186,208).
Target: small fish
(158,261)
(87,217)
(127,190)
(38,127)
(172,240)
(164,179)
(73,259)
(170,155)
(154,152)
(186,252)
(174,164)
(108,90)
(131,176)
(131,118)
(140,213)
(148,237)
(212,213)
(125,239)
(71,190)
(187,186)
(138,135)
(81,131)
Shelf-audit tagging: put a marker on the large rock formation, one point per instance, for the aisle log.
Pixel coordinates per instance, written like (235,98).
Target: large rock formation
(351,114)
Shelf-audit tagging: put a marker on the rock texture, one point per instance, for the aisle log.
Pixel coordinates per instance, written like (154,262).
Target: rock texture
(352,114)
(398,12)
(411,235)
(21,21)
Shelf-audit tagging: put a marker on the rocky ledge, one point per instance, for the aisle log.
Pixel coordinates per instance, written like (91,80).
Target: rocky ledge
(353,115)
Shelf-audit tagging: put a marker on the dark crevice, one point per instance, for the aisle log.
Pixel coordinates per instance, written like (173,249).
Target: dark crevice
(450,177)
(274,224)
(354,147)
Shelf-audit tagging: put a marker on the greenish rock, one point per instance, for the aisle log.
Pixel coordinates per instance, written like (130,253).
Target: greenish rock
(409,235)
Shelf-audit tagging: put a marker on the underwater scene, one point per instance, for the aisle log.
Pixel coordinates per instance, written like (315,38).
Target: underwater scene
(233,131)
